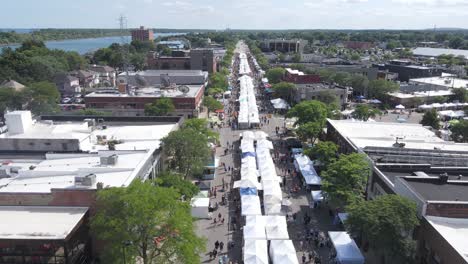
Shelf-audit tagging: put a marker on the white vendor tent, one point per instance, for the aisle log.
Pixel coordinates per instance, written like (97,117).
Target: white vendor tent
(247,183)
(255,252)
(277,232)
(200,207)
(279,103)
(283,251)
(250,205)
(254,232)
(271,188)
(305,166)
(272,209)
(317,196)
(346,249)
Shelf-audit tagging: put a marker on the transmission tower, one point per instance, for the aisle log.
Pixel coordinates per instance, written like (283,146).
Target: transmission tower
(124,48)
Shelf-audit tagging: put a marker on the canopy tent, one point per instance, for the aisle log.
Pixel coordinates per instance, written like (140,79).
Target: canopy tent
(317,196)
(250,205)
(305,166)
(277,232)
(248,154)
(248,191)
(283,251)
(248,135)
(271,188)
(264,144)
(247,183)
(346,249)
(260,135)
(199,207)
(255,252)
(280,103)
(255,220)
(375,101)
(254,233)
(452,114)
(272,199)
(272,209)
(400,106)
(343,217)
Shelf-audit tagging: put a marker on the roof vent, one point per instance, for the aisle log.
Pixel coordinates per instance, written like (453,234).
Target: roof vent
(109,160)
(87,180)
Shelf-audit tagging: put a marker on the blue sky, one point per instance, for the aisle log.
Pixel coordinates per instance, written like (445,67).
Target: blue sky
(243,14)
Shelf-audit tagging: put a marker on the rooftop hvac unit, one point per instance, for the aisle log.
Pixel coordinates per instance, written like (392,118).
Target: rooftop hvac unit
(87,180)
(109,160)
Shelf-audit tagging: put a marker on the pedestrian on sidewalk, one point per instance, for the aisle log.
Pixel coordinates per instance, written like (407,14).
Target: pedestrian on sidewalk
(219,216)
(216,244)
(303,258)
(221,246)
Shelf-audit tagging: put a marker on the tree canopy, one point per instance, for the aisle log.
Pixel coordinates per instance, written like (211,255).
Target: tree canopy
(153,219)
(160,107)
(387,223)
(212,104)
(188,151)
(218,80)
(309,111)
(379,88)
(43,98)
(275,75)
(460,131)
(171,180)
(459,94)
(345,179)
(431,118)
(200,125)
(284,90)
(324,151)
(364,112)
(309,132)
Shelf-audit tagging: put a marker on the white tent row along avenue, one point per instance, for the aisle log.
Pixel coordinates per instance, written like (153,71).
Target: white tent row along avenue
(346,249)
(255,252)
(305,166)
(283,252)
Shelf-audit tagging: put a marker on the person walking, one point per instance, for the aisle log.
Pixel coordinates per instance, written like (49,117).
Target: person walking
(216,244)
(221,246)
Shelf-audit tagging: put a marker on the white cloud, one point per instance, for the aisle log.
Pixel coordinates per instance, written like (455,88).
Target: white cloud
(433,3)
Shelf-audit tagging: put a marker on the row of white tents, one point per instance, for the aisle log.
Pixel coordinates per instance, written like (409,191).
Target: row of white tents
(305,166)
(442,106)
(248,109)
(259,229)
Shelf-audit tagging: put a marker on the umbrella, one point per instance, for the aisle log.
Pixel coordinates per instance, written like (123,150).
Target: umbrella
(400,106)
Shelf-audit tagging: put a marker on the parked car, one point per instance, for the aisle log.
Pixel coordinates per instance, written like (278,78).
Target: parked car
(66,100)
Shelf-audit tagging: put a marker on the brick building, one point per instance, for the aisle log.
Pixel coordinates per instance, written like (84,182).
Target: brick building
(46,198)
(195,59)
(142,34)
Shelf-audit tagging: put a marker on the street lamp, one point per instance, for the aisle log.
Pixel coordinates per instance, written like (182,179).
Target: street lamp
(125,244)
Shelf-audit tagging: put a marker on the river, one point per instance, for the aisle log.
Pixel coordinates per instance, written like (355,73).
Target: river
(83,46)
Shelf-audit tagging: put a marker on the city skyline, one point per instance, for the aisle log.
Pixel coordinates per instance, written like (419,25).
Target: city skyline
(242,14)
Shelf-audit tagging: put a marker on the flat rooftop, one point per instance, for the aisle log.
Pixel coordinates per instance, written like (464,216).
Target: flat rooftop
(169,72)
(421,94)
(435,52)
(447,81)
(453,230)
(383,134)
(39,222)
(192,91)
(432,190)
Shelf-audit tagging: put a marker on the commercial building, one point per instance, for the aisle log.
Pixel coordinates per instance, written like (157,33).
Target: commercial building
(436,52)
(187,99)
(315,91)
(172,44)
(49,180)
(195,59)
(160,77)
(284,45)
(414,98)
(407,71)
(360,45)
(298,77)
(106,74)
(372,73)
(445,82)
(142,34)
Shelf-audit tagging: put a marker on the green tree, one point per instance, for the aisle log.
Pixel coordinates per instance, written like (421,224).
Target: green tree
(172,180)
(284,90)
(201,126)
(359,83)
(380,88)
(143,213)
(43,98)
(215,91)
(11,100)
(459,94)
(309,111)
(460,131)
(327,97)
(386,223)
(309,131)
(345,179)
(456,42)
(341,78)
(188,151)
(297,58)
(212,104)
(364,112)
(324,152)
(431,118)
(281,57)
(275,75)
(218,80)
(162,106)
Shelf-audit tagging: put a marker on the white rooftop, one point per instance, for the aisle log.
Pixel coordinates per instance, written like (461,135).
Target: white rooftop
(435,52)
(383,134)
(453,230)
(39,222)
(446,81)
(155,92)
(421,94)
